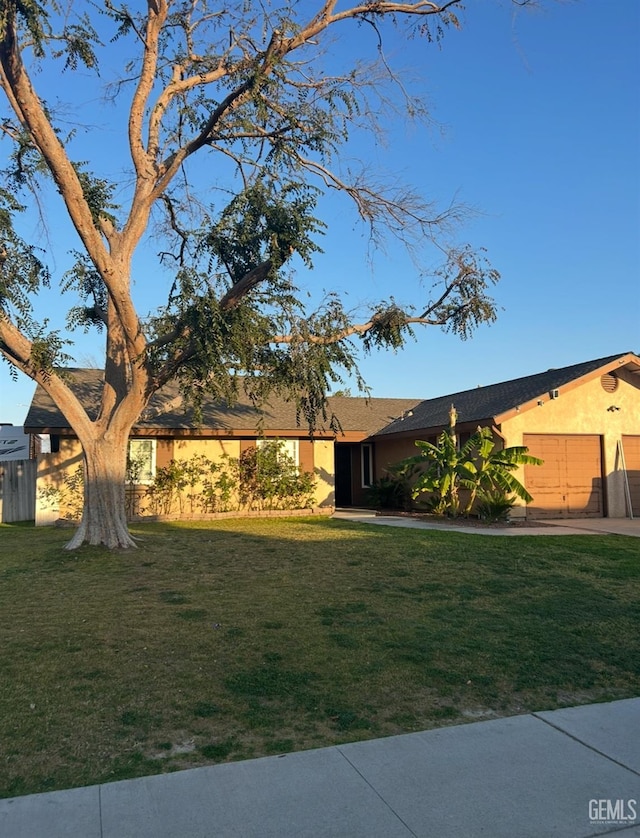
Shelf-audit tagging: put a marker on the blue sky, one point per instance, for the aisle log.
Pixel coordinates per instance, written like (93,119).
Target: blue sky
(536,124)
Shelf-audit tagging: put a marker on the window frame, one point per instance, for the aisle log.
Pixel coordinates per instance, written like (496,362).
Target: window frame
(293,452)
(150,472)
(366,456)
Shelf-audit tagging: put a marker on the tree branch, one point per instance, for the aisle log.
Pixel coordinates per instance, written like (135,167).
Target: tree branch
(17,86)
(18,351)
(401,212)
(326,18)
(143,157)
(246,284)
(354,329)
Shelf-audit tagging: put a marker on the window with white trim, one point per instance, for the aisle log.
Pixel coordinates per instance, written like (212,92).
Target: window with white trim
(366,464)
(289,448)
(141,461)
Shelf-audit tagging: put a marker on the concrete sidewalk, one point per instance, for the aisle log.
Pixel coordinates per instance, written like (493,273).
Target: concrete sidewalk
(581,526)
(569,773)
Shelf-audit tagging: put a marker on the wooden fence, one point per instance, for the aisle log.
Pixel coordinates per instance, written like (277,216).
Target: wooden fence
(17,491)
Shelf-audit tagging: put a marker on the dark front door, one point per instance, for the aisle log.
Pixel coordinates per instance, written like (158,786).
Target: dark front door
(343,474)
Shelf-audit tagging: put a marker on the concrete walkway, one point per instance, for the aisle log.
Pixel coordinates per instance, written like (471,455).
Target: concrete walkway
(578,526)
(569,773)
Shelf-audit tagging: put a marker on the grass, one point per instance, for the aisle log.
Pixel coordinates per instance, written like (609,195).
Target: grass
(242,638)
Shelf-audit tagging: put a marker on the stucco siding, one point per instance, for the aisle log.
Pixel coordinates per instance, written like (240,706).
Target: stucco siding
(55,471)
(324,468)
(390,451)
(585,409)
(55,497)
(213,449)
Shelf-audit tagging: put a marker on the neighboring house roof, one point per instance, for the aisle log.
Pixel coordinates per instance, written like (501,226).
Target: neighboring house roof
(496,401)
(166,412)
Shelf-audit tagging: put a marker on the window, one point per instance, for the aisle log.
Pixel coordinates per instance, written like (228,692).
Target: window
(141,461)
(288,448)
(366,464)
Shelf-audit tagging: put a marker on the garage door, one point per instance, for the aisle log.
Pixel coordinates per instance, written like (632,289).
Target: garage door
(569,483)
(631,447)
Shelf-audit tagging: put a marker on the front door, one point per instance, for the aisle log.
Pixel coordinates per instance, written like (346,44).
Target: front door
(344,496)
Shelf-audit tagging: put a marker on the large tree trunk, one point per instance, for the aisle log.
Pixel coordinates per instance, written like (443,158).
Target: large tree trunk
(104,518)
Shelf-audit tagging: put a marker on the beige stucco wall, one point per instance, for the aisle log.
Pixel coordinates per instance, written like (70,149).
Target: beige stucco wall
(583,410)
(389,451)
(54,499)
(324,468)
(212,449)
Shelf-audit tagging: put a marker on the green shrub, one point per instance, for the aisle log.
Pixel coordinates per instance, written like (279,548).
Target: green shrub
(268,478)
(262,478)
(395,489)
(478,467)
(494,505)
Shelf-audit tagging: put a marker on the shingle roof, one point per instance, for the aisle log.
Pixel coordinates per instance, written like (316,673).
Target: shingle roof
(43,413)
(167,412)
(484,403)
(368,417)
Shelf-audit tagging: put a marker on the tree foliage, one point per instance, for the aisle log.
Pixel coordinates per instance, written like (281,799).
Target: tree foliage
(235,117)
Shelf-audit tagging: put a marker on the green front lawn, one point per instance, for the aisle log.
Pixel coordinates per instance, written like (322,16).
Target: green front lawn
(242,638)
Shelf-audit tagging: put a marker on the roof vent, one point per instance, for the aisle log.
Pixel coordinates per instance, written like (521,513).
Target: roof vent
(609,382)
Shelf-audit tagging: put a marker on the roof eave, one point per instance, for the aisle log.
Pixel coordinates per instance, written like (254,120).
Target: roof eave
(434,430)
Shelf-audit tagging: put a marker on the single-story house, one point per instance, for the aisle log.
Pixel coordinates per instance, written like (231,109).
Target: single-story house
(582,420)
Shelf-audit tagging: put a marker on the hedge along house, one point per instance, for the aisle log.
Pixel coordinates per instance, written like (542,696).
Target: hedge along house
(167,432)
(582,420)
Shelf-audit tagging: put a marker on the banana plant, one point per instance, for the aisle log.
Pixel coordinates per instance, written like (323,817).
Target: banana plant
(492,468)
(475,466)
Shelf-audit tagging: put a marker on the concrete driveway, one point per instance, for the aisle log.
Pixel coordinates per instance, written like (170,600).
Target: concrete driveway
(612,526)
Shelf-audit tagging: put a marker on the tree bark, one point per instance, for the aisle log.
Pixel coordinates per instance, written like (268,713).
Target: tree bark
(104,517)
